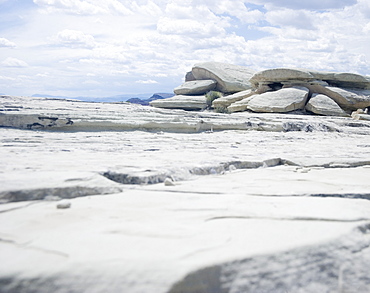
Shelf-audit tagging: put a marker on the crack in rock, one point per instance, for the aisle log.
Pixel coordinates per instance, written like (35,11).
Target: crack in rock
(61,192)
(288,219)
(341,265)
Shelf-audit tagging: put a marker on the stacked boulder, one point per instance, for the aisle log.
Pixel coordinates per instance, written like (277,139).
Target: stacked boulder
(278,90)
(205,77)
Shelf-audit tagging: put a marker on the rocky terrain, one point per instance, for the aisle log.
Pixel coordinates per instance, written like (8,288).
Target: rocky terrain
(119,197)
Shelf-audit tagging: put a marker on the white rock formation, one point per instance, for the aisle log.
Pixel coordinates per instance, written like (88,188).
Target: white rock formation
(230,78)
(226,101)
(323,105)
(350,99)
(239,106)
(196,87)
(281,101)
(293,203)
(181,102)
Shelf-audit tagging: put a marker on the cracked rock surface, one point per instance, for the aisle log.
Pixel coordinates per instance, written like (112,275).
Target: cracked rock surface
(257,202)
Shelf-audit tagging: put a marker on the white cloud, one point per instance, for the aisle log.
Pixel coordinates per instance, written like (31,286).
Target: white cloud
(187,27)
(149,81)
(84,7)
(291,18)
(305,4)
(13,62)
(235,8)
(6,43)
(73,38)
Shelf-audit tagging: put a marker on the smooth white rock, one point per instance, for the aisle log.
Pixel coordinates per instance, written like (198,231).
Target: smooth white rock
(323,105)
(226,101)
(181,102)
(279,75)
(196,87)
(230,78)
(284,100)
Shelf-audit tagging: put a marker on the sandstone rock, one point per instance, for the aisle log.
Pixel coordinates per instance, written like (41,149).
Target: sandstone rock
(240,106)
(323,105)
(181,102)
(351,99)
(343,80)
(196,87)
(189,76)
(230,78)
(284,100)
(280,75)
(228,100)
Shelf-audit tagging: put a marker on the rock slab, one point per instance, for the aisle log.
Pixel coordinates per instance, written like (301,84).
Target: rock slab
(281,101)
(196,87)
(230,78)
(323,105)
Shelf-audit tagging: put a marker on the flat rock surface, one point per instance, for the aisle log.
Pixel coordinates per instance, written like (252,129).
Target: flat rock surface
(270,193)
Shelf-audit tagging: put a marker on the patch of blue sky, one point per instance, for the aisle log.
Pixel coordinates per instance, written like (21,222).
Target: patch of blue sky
(252,6)
(12,13)
(247,31)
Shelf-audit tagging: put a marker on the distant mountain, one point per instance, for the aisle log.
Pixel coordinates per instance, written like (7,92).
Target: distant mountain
(112,99)
(145,102)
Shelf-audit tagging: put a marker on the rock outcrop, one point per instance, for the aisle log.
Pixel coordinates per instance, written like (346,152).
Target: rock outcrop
(281,101)
(226,101)
(323,105)
(196,87)
(230,78)
(181,102)
(267,90)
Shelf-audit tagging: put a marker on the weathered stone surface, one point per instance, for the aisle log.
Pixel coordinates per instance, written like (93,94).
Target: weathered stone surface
(226,101)
(189,76)
(279,75)
(181,102)
(281,101)
(343,80)
(323,105)
(196,87)
(239,106)
(350,99)
(305,211)
(230,78)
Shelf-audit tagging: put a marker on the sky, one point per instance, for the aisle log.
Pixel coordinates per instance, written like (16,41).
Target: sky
(100,48)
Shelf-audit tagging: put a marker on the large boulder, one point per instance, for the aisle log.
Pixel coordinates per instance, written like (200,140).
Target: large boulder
(181,102)
(195,87)
(344,80)
(281,75)
(281,101)
(230,99)
(350,99)
(323,105)
(230,78)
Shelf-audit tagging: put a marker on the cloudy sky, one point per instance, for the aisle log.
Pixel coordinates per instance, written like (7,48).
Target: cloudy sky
(103,48)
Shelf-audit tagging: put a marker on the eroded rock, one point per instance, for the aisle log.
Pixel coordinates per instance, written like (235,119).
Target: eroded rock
(323,105)
(281,101)
(279,75)
(196,87)
(230,78)
(181,102)
(226,101)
